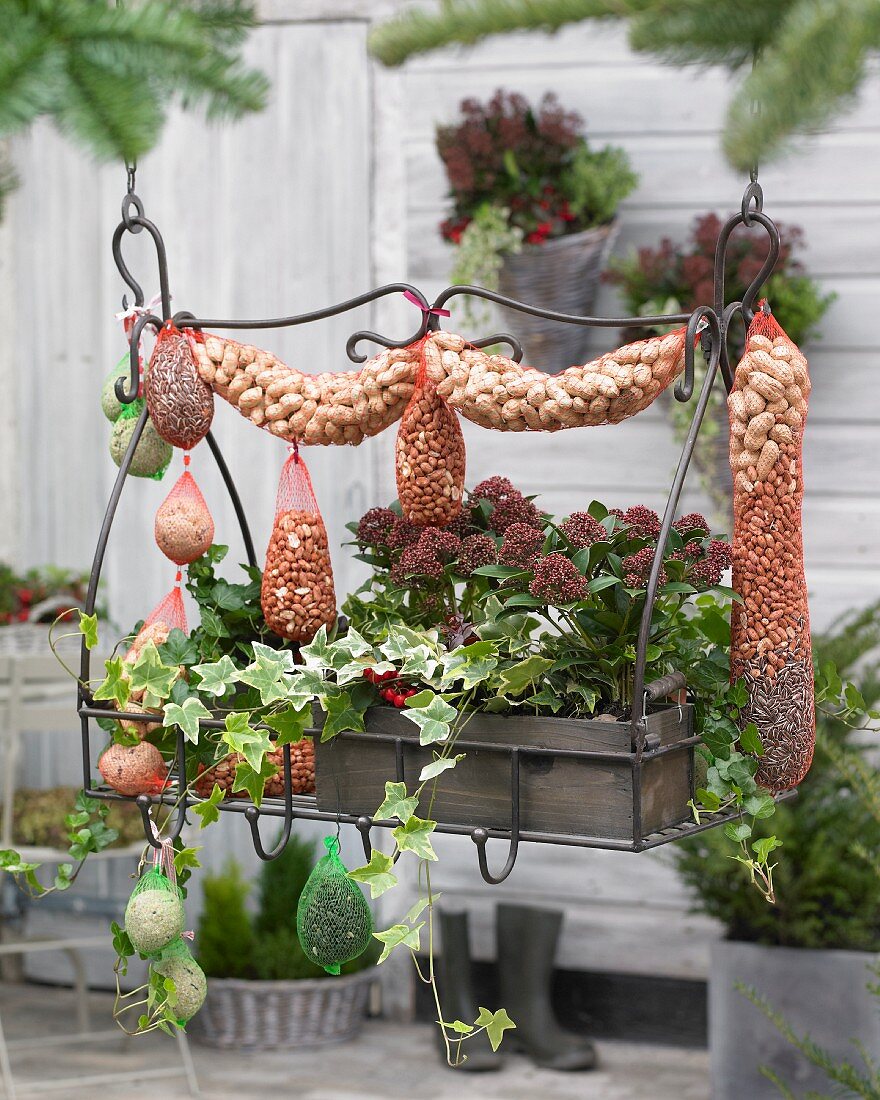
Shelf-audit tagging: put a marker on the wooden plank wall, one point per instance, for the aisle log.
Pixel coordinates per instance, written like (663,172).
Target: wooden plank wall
(624,912)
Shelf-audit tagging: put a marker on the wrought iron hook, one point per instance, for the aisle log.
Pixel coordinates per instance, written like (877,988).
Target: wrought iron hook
(363,825)
(709,329)
(252,815)
(144,802)
(480,836)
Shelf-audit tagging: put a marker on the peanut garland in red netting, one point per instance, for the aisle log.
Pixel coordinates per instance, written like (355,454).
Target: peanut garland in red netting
(184,527)
(430,453)
(770,630)
(297,593)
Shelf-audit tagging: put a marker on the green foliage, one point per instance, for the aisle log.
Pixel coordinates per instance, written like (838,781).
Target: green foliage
(281,883)
(226,943)
(482,246)
(597,182)
(809,57)
(107,74)
(22,592)
(826,896)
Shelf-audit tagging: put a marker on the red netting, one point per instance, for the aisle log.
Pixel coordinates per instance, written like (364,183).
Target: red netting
(184,527)
(181,404)
(770,630)
(168,614)
(430,452)
(295,492)
(134,769)
(297,594)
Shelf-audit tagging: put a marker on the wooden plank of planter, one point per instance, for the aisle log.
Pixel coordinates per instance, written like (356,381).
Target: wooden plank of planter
(558,794)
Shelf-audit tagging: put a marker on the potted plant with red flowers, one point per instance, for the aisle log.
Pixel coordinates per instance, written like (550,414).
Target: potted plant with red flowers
(533,211)
(678,276)
(34,597)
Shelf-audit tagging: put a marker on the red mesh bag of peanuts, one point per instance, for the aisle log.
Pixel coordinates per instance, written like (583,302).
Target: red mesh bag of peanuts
(297,594)
(770,629)
(168,614)
(184,527)
(430,452)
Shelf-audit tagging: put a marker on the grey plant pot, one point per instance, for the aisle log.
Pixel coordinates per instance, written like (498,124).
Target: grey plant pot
(563,275)
(820,993)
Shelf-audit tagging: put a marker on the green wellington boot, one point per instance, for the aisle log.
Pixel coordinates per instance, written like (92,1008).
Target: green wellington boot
(455,986)
(527,940)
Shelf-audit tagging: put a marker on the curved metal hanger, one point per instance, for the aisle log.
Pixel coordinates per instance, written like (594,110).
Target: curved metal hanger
(480,836)
(144,802)
(252,815)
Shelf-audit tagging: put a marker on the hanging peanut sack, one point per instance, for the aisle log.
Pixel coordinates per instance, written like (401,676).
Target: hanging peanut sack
(333,921)
(770,629)
(430,452)
(184,527)
(181,405)
(302,773)
(152,454)
(297,595)
(168,614)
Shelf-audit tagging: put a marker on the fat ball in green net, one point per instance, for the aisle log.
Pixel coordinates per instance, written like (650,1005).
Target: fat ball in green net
(190,985)
(154,915)
(152,454)
(333,920)
(111,406)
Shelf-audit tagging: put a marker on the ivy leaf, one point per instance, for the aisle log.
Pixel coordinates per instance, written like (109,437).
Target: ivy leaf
(207,809)
(350,645)
(289,724)
(416,910)
(432,719)
(216,676)
(419,664)
(460,1027)
(186,859)
(438,766)
(179,649)
(318,654)
(342,714)
(763,847)
(241,737)
(116,685)
(186,715)
(397,804)
(516,678)
(150,675)
(471,664)
(253,779)
(750,740)
(708,800)
(228,597)
(122,945)
(212,623)
(376,874)
(495,1023)
(396,935)
(88,626)
(737,833)
(760,805)
(415,836)
(266,673)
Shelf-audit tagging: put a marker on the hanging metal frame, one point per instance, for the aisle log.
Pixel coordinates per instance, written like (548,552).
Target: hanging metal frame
(708,325)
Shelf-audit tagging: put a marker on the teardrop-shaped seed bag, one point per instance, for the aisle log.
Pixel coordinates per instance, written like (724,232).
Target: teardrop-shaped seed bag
(297,594)
(190,985)
(168,614)
(154,916)
(184,527)
(333,920)
(770,630)
(181,405)
(152,454)
(430,453)
(111,406)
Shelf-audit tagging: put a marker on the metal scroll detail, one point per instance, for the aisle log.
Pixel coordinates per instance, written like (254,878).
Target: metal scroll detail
(707,325)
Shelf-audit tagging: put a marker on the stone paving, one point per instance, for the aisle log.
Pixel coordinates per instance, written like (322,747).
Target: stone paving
(388,1062)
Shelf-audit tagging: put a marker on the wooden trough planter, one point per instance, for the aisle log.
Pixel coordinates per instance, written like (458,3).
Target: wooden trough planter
(536,777)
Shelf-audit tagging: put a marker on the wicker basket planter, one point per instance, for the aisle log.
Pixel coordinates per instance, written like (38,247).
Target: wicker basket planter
(574,777)
(245,1015)
(562,274)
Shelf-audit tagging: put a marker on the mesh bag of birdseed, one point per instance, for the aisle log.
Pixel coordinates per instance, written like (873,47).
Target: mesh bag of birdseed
(190,985)
(154,915)
(184,527)
(333,920)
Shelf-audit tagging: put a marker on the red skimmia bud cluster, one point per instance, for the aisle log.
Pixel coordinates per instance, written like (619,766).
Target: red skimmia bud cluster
(393,692)
(375,525)
(582,530)
(476,551)
(557,580)
(637,568)
(521,545)
(509,506)
(692,524)
(434,550)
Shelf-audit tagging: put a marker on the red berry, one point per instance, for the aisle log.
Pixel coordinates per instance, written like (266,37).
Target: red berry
(400,700)
(391,674)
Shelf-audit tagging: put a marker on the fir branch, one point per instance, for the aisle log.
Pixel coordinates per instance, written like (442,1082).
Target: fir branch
(810,71)
(468,21)
(27,65)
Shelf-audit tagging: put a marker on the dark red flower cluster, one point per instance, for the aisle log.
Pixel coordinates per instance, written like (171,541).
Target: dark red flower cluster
(476,551)
(402,534)
(557,580)
(444,544)
(582,530)
(709,570)
(642,521)
(637,568)
(427,557)
(521,545)
(509,504)
(374,526)
(692,522)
